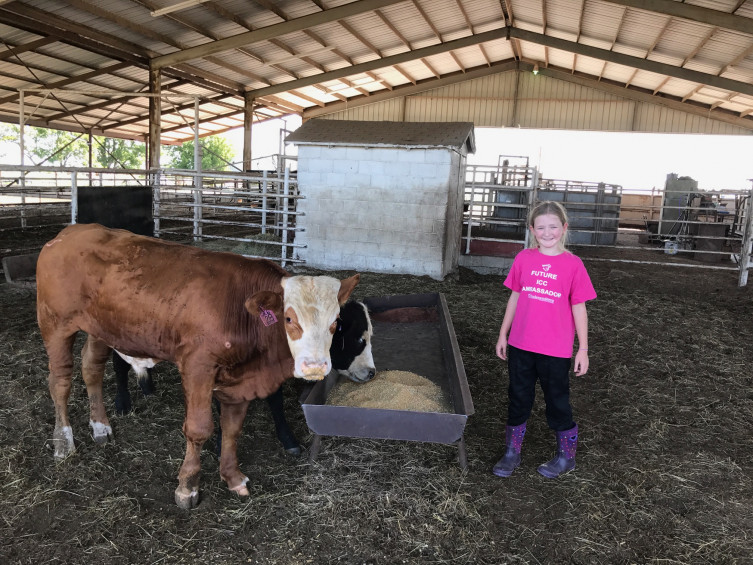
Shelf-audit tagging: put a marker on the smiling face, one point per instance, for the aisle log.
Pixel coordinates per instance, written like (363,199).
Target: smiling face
(548,231)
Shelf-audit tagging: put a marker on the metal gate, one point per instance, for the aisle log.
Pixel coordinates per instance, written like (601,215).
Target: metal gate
(693,228)
(252,214)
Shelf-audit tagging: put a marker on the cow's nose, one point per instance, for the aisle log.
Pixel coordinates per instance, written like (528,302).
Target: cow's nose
(314,368)
(371,375)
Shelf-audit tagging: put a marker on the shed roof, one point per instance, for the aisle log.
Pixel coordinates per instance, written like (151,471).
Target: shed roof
(84,65)
(385,134)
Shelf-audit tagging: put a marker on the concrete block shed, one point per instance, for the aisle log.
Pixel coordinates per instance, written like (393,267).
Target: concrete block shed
(384,197)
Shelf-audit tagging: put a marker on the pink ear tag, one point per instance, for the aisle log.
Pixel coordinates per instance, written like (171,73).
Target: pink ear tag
(267,317)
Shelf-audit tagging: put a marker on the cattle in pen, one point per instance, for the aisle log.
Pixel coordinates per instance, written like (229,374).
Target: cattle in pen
(350,353)
(237,328)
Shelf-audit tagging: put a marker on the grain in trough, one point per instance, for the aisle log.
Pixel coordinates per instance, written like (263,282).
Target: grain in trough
(412,333)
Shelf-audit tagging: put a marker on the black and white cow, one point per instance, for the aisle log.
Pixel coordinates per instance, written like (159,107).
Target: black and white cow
(350,352)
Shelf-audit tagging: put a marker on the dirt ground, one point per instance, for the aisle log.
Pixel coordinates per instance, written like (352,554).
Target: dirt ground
(664,472)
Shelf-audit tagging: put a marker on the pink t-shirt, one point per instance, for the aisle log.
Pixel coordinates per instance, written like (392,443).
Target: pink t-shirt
(549,285)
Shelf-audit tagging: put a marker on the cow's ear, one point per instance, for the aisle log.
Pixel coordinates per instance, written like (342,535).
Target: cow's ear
(346,288)
(264,300)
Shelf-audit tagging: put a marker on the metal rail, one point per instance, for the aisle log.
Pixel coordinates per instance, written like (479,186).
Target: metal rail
(712,229)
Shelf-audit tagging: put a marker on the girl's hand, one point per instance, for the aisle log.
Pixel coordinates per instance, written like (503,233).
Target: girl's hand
(502,347)
(581,362)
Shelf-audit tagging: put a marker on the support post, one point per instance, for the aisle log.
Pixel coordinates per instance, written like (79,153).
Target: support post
(155,118)
(89,141)
(153,146)
(746,242)
(21,125)
(198,178)
(74,198)
(248,121)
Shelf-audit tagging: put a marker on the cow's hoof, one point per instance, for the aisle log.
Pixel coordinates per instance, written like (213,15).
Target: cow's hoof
(101,433)
(62,442)
(289,442)
(186,500)
(241,489)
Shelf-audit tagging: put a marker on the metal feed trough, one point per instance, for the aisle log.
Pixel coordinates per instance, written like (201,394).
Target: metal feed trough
(411,333)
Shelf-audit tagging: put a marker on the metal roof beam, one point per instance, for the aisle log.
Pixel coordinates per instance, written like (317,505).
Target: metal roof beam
(632,93)
(639,95)
(14,51)
(34,21)
(420,86)
(630,61)
(21,21)
(416,54)
(13,119)
(692,13)
(271,32)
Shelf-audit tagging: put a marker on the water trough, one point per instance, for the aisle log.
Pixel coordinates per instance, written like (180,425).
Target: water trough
(411,333)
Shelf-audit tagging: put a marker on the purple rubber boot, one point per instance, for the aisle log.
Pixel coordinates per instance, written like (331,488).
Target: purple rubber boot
(511,460)
(564,461)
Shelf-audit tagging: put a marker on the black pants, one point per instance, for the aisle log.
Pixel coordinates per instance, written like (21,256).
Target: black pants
(553,373)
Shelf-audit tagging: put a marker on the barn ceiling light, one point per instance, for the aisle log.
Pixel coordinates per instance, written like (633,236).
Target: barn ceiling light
(536,68)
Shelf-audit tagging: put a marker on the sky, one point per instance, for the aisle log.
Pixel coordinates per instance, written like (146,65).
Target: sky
(636,161)
(633,160)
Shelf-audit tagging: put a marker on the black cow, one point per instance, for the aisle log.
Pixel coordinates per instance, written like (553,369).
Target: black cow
(350,352)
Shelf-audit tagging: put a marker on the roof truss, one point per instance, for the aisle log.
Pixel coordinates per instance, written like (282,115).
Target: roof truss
(307,58)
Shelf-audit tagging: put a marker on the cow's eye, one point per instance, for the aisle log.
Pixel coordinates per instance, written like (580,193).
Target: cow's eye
(288,320)
(361,341)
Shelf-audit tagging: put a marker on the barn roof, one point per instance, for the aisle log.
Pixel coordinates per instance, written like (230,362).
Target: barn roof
(80,61)
(385,134)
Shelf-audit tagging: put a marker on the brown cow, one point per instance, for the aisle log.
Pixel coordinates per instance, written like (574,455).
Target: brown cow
(205,311)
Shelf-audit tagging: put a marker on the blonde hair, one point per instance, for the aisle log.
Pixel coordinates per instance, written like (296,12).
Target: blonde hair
(542,209)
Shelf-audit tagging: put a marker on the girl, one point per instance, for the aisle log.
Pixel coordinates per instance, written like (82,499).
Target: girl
(546,309)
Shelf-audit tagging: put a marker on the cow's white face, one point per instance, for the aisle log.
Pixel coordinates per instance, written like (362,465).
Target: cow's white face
(311,306)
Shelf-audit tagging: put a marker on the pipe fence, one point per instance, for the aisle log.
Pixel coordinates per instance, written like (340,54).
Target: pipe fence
(705,229)
(253,214)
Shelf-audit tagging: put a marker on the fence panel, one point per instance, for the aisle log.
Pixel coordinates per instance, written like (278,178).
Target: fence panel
(253,214)
(250,214)
(706,229)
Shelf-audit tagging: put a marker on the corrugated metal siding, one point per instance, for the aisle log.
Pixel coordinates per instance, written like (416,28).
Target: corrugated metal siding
(389,110)
(658,119)
(486,101)
(545,103)
(542,103)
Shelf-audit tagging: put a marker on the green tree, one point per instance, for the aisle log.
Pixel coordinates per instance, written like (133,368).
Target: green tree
(216,153)
(51,147)
(55,147)
(119,153)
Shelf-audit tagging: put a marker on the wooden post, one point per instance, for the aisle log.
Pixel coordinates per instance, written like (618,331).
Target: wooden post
(155,119)
(248,121)
(21,141)
(153,145)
